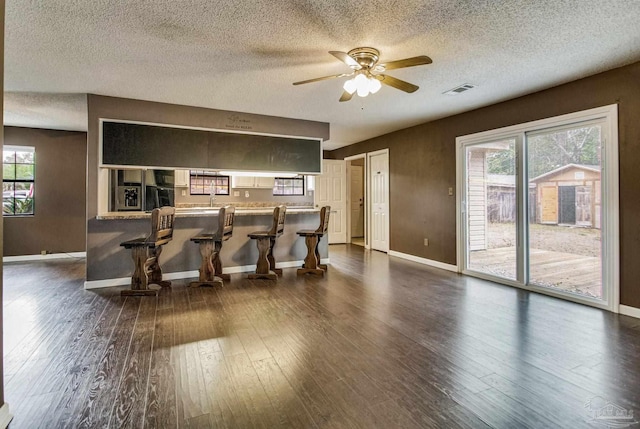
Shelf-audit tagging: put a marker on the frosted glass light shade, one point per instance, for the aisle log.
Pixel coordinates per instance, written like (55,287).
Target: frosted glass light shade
(374,85)
(350,86)
(362,85)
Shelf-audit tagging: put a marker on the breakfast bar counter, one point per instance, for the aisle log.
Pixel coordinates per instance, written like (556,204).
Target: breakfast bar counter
(109,265)
(205,211)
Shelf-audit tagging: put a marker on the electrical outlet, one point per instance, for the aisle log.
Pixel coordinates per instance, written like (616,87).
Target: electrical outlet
(184,193)
(450,191)
(426,241)
(43,252)
(236,193)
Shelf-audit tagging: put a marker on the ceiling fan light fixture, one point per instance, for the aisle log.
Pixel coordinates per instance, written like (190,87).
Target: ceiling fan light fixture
(374,85)
(350,86)
(362,85)
(362,91)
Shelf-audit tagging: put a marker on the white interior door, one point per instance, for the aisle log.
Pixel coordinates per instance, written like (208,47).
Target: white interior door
(379,198)
(357,201)
(331,190)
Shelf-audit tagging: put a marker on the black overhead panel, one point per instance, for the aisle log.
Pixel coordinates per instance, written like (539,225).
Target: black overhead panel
(157,146)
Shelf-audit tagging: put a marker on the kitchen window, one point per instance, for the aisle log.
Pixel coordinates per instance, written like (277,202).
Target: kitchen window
(18,179)
(289,186)
(204,182)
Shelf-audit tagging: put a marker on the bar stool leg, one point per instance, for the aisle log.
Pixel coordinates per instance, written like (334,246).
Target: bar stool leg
(263,265)
(217,263)
(272,261)
(139,279)
(154,267)
(311,260)
(209,251)
(320,265)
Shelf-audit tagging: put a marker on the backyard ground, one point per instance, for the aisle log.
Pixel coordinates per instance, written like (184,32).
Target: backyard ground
(561,257)
(564,239)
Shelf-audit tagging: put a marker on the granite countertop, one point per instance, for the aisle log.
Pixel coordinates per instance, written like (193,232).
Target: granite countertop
(206,211)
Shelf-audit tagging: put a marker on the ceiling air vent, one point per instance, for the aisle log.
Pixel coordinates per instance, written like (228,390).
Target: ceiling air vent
(458,89)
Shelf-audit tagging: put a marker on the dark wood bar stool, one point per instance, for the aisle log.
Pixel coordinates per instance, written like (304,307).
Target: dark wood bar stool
(312,240)
(146,251)
(210,246)
(266,240)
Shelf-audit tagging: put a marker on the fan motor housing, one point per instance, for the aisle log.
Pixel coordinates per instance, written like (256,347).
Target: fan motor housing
(366,57)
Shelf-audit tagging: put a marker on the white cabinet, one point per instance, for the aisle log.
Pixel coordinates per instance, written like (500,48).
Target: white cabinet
(243,182)
(265,182)
(181,178)
(252,182)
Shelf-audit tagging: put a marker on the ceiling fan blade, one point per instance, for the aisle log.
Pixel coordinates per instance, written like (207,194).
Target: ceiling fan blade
(322,78)
(407,62)
(397,83)
(345,58)
(346,96)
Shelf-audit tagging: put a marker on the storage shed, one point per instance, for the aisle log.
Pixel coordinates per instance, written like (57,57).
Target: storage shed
(569,195)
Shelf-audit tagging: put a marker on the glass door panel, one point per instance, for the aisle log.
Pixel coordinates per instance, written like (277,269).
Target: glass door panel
(564,210)
(491,208)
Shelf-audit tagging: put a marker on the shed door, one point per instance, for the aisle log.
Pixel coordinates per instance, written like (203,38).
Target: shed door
(549,204)
(583,206)
(567,200)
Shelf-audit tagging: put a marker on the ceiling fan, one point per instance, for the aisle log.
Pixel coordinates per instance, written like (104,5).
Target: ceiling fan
(368,74)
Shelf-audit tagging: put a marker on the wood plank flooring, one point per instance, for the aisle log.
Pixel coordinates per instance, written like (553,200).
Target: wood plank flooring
(379,342)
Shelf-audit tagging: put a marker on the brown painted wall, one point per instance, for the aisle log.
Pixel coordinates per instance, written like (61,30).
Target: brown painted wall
(60,204)
(423,165)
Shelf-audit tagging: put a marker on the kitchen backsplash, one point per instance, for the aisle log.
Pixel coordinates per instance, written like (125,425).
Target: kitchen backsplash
(248,204)
(261,197)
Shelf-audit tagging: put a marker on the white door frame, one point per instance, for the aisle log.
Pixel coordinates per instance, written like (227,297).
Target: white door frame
(369,209)
(366,212)
(610,200)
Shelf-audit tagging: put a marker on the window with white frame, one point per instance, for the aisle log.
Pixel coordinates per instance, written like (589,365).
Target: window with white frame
(18,180)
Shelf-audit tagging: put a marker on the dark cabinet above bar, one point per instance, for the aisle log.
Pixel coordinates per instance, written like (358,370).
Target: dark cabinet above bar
(129,144)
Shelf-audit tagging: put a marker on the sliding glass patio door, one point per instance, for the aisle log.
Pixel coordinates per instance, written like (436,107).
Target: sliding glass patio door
(565,209)
(491,208)
(538,206)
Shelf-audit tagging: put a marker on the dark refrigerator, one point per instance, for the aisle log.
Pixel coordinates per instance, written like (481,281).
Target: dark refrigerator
(159,189)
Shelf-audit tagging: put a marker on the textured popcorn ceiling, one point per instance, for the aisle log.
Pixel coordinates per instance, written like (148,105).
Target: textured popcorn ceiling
(244,55)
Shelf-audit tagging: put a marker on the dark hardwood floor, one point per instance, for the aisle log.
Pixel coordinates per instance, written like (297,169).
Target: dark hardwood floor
(379,342)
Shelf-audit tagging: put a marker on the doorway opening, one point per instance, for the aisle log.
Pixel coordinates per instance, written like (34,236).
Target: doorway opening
(357,206)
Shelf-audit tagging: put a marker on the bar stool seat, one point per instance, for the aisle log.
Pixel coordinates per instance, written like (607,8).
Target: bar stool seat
(210,246)
(146,252)
(312,239)
(266,240)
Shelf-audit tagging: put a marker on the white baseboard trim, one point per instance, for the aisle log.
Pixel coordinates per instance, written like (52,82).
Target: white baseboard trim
(23,258)
(5,416)
(124,281)
(424,261)
(629,311)
(98,284)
